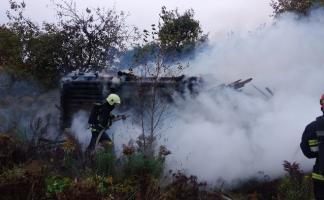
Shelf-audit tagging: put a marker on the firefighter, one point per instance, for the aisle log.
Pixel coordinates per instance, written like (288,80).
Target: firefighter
(312,145)
(101,118)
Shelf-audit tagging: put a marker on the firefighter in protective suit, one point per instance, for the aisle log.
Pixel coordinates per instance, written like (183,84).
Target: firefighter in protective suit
(101,119)
(312,145)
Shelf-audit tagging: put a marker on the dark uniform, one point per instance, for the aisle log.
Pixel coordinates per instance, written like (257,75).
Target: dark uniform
(103,120)
(312,145)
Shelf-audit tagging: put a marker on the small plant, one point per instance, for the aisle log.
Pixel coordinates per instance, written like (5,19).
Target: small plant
(104,162)
(139,164)
(84,189)
(12,152)
(295,186)
(189,188)
(102,183)
(23,182)
(56,184)
(128,150)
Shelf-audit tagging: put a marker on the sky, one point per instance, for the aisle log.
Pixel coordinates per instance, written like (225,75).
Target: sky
(214,15)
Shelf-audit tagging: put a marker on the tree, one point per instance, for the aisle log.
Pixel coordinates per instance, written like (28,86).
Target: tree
(29,51)
(153,95)
(161,45)
(10,47)
(175,37)
(300,7)
(79,41)
(178,31)
(92,39)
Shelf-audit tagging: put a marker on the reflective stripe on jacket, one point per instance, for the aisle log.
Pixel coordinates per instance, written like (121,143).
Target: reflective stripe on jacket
(317,176)
(310,147)
(313,145)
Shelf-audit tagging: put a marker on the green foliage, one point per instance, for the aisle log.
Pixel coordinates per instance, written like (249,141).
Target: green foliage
(179,31)
(175,37)
(141,179)
(292,191)
(15,174)
(105,162)
(295,186)
(257,188)
(23,182)
(10,47)
(86,41)
(56,184)
(12,152)
(138,164)
(189,188)
(71,165)
(145,53)
(103,183)
(28,51)
(92,39)
(300,7)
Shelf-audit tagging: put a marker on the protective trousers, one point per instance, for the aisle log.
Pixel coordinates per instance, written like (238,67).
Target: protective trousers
(318,189)
(95,134)
(318,179)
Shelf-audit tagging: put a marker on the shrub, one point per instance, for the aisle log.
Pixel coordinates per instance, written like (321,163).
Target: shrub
(56,184)
(189,188)
(295,186)
(104,162)
(12,152)
(24,182)
(138,164)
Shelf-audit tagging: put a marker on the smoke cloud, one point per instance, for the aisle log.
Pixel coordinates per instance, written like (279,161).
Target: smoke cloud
(80,129)
(230,135)
(27,109)
(121,132)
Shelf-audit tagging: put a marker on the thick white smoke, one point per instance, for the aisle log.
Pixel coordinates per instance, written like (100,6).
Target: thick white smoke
(80,129)
(233,135)
(230,135)
(121,132)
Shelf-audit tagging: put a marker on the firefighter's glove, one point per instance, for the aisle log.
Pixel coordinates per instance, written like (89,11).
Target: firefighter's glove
(89,126)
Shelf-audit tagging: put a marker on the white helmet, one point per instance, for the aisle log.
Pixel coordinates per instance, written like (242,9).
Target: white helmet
(113,99)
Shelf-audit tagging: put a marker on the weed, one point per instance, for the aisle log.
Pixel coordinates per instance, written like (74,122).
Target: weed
(295,185)
(189,188)
(104,162)
(56,184)
(138,164)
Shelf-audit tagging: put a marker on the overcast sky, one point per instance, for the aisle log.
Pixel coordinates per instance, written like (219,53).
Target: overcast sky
(214,15)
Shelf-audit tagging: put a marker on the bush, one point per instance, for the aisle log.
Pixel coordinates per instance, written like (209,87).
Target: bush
(189,188)
(104,162)
(295,186)
(86,189)
(12,152)
(56,184)
(25,182)
(139,164)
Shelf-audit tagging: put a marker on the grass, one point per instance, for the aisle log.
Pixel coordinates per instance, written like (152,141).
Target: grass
(64,173)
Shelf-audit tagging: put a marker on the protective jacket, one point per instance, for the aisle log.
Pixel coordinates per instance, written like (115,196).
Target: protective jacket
(100,120)
(312,147)
(103,115)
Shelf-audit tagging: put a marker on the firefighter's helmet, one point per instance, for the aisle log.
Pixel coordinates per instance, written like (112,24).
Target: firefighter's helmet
(113,99)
